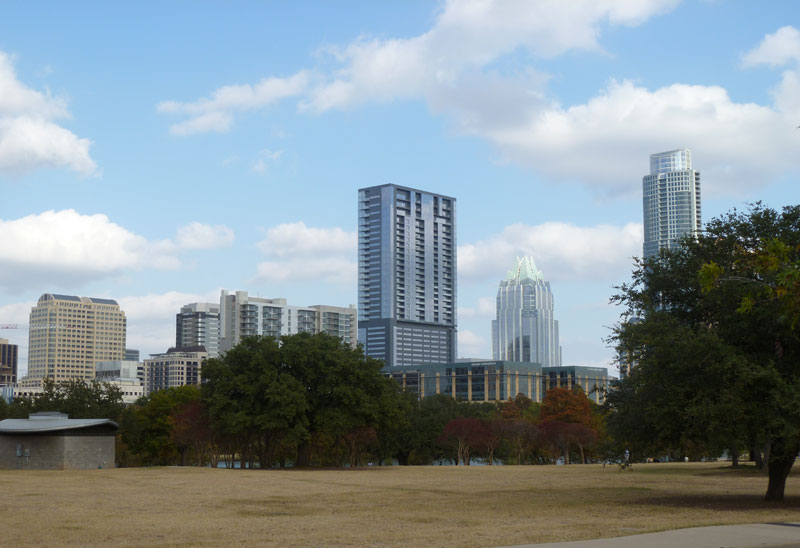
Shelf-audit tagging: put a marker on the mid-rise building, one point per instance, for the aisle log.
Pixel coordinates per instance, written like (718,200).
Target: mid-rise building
(671,201)
(407,275)
(126,375)
(197,324)
(244,316)
(69,334)
(499,380)
(176,367)
(525,328)
(8,362)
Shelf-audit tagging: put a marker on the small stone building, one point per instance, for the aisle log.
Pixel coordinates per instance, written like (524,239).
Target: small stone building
(53,441)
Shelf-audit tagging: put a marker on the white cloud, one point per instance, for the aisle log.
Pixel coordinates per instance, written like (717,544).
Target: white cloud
(472,345)
(563,251)
(485,309)
(265,157)
(292,239)
(64,246)
(329,269)
(29,139)
(469,35)
(204,236)
(776,50)
(298,252)
(218,122)
(216,113)
(161,305)
(602,142)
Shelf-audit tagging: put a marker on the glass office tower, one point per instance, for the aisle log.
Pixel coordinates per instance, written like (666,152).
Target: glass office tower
(525,329)
(406,275)
(671,201)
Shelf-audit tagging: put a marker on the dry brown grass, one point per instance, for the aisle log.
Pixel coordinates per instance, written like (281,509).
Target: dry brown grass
(409,506)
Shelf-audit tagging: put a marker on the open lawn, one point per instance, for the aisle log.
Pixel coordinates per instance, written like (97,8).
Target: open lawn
(408,506)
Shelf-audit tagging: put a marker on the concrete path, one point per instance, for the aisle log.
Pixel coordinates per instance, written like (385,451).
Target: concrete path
(761,535)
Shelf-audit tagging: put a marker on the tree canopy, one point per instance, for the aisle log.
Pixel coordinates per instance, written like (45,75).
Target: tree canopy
(714,346)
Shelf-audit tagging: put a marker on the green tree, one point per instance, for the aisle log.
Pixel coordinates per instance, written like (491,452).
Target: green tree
(254,401)
(716,362)
(76,398)
(147,427)
(343,388)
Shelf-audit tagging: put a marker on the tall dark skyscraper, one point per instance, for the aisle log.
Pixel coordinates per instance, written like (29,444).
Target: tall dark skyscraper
(671,200)
(406,275)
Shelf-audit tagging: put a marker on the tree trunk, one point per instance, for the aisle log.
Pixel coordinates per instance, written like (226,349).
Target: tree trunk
(781,460)
(583,456)
(755,455)
(566,456)
(734,456)
(303,454)
(402,459)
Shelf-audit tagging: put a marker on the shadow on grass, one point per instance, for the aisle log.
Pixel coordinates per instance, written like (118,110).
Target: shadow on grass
(724,469)
(721,502)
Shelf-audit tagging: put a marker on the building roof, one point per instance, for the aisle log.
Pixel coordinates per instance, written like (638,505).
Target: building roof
(59,297)
(49,422)
(102,301)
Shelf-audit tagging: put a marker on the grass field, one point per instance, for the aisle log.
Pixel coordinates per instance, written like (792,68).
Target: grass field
(408,506)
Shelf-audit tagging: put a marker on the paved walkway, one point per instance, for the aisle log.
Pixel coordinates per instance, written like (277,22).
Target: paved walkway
(761,535)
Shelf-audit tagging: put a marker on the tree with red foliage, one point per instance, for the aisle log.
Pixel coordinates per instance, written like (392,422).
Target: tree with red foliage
(466,434)
(571,406)
(567,421)
(191,430)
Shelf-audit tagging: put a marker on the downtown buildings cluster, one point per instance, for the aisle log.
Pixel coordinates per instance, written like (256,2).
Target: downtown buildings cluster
(406,315)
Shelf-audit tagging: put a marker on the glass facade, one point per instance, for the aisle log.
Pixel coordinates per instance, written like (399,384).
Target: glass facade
(498,380)
(671,201)
(525,329)
(406,275)
(197,324)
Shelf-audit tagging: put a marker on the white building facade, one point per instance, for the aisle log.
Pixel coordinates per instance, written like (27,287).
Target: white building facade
(671,201)
(244,316)
(525,328)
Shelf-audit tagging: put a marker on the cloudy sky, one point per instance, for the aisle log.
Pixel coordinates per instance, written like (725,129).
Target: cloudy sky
(157,153)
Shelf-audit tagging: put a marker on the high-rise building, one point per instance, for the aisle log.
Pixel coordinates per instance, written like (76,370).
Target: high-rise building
(69,335)
(131,355)
(8,362)
(525,329)
(241,315)
(406,275)
(197,324)
(671,201)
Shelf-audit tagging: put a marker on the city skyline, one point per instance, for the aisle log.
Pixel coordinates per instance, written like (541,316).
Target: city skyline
(157,158)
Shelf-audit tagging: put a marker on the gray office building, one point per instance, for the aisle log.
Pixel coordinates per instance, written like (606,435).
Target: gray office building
(671,201)
(197,324)
(406,275)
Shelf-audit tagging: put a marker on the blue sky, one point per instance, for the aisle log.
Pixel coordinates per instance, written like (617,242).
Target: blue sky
(156,153)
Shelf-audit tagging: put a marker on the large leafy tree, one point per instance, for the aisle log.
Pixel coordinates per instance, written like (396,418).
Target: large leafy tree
(304,391)
(254,401)
(716,358)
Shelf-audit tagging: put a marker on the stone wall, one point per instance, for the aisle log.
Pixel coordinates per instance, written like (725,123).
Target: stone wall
(56,451)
